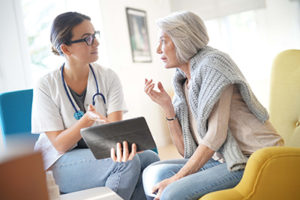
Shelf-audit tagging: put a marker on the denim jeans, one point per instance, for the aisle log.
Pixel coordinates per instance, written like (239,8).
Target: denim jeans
(211,177)
(78,170)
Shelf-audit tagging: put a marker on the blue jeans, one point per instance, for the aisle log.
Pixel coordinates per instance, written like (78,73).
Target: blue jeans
(78,170)
(211,177)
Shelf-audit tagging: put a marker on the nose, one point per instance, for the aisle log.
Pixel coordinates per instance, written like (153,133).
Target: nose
(158,49)
(96,42)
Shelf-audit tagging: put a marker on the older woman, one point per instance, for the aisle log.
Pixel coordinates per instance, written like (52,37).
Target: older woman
(215,120)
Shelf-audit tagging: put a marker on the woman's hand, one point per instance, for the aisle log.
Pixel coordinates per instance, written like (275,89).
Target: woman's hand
(123,154)
(159,187)
(95,116)
(160,97)
(198,159)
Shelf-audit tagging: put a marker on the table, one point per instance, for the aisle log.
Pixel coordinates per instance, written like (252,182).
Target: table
(98,193)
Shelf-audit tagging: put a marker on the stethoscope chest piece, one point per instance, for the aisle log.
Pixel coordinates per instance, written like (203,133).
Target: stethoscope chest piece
(78,114)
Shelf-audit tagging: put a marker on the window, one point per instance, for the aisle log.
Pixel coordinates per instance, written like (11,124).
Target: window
(38,18)
(240,36)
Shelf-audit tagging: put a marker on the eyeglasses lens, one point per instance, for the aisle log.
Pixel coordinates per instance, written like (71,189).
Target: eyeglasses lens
(90,39)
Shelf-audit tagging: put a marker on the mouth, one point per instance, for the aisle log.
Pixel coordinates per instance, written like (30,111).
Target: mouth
(94,51)
(164,59)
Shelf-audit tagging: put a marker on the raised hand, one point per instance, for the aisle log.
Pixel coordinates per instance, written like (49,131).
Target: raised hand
(160,97)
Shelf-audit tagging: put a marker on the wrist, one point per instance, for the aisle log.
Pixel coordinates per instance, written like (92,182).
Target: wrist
(176,177)
(86,121)
(171,118)
(169,112)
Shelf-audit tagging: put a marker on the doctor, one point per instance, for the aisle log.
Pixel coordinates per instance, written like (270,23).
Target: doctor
(79,94)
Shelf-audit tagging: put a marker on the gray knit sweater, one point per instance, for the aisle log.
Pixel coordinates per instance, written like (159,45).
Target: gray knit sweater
(211,72)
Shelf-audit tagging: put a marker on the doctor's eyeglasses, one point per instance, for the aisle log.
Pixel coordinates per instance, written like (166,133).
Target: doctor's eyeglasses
(89,40)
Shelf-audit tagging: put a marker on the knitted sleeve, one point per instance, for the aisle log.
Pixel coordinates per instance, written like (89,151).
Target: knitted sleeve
(207,85)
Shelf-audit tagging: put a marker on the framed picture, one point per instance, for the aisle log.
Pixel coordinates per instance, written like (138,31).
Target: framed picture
(138,35)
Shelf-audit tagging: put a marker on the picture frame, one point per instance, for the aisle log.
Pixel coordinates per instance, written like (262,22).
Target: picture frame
(138,35)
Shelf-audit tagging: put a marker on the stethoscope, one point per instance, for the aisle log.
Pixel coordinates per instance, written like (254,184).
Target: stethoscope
(78,113)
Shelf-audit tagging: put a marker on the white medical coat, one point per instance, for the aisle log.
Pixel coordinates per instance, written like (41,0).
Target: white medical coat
(53,111)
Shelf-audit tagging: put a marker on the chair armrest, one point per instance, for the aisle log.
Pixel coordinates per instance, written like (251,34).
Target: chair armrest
(271,173)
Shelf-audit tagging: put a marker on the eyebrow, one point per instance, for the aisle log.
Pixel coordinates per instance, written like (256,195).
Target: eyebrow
(87,34)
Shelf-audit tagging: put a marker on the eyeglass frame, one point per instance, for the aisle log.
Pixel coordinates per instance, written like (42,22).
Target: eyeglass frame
(86,38)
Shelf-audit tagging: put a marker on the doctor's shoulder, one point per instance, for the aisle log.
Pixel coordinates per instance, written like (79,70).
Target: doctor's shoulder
(104,72)
(48,81)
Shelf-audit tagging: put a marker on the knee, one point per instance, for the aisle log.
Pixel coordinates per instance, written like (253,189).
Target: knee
(152,175)
(148,157)
(152,156)
(152,172)
(173,191)
(133,165)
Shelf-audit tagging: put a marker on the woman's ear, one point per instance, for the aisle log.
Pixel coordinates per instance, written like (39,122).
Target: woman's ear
(65,49)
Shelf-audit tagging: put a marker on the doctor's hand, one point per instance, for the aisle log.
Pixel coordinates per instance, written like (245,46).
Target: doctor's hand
(160,97)
(95,116)
(123,154)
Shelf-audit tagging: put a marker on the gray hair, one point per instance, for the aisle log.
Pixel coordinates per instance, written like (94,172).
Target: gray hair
(187,31)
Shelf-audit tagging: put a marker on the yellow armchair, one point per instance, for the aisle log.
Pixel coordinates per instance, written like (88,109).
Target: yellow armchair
(273,173)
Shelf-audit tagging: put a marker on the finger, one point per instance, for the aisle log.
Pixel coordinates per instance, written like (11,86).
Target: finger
(133,151)
(149,88)
(155,191)
(125,151)
(157,197)
(104,119)
(154,95)
(113,154)
(160,87)
(91,107)
(93,115)
(119,152)
(155,188)
(148,82)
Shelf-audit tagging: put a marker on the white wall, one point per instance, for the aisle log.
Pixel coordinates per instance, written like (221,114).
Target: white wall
(278,29)
(209,9)
(133,74)
(13,62)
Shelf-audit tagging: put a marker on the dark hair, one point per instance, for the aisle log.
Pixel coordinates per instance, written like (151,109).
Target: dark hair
(61,30)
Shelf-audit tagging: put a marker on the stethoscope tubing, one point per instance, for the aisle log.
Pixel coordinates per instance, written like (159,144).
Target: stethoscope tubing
(69,97)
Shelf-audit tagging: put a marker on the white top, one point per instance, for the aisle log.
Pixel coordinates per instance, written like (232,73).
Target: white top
(53,111)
